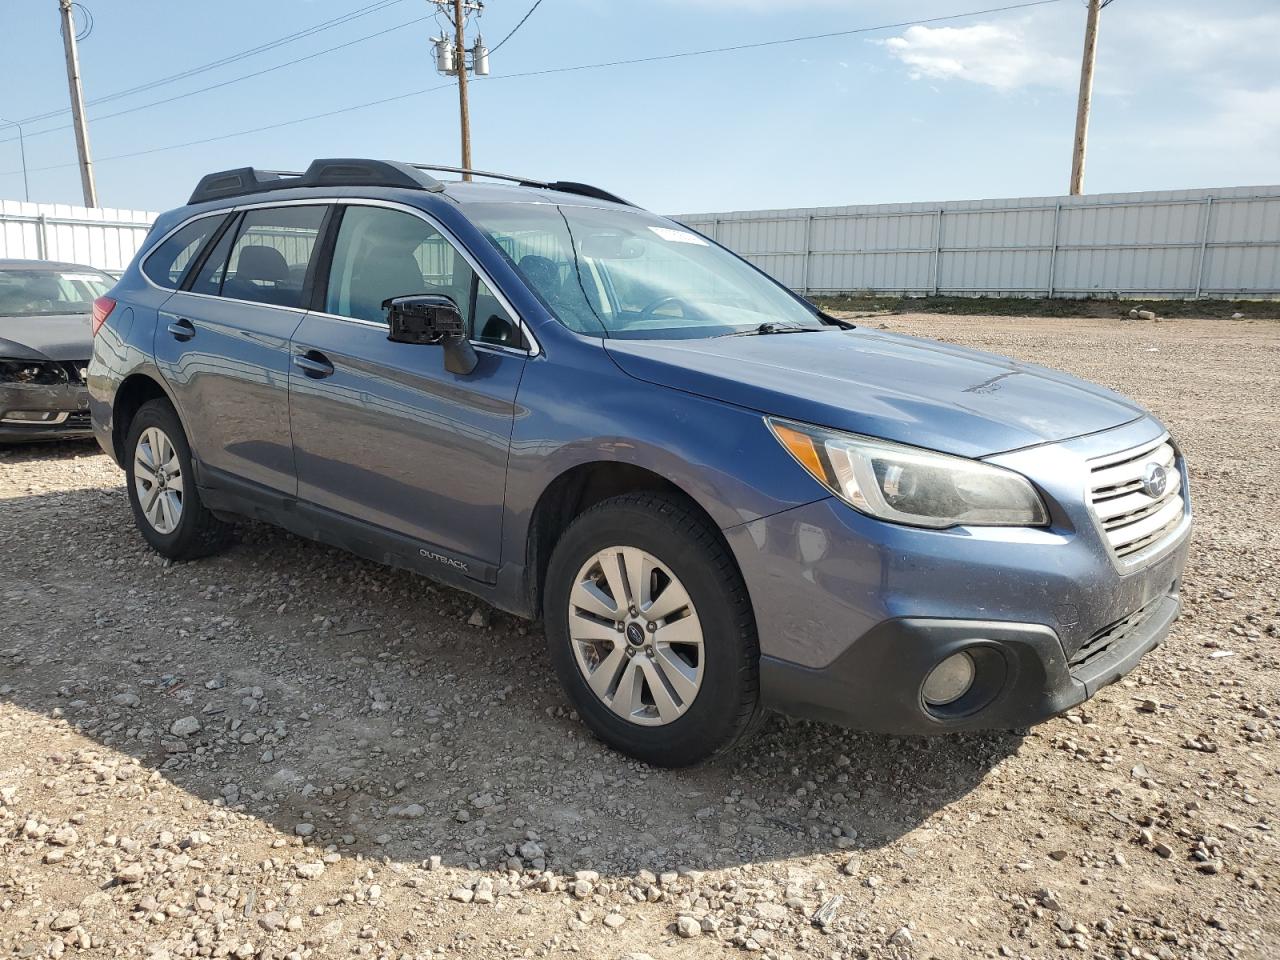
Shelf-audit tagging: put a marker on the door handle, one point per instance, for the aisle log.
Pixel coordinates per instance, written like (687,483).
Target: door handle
(314,364)
(182,329)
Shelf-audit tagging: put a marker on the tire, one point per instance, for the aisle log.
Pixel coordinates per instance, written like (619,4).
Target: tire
(709,692)
(166,504)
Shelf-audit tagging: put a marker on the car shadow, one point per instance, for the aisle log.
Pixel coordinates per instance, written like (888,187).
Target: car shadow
(398,718)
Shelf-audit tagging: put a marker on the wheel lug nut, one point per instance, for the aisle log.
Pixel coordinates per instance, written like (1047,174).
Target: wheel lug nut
(619,626)
(634,612)
(651,626)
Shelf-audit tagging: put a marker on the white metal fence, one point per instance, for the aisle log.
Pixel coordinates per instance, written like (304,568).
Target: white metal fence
(1186,243)
(105,238)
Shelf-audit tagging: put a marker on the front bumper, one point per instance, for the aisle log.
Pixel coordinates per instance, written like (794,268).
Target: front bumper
(68,401)
(875,684)
(853,613)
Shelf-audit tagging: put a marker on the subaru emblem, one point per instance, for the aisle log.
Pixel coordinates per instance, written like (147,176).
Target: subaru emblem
(1154,480)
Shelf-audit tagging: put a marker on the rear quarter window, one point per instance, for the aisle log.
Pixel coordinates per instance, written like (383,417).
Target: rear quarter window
(168,263)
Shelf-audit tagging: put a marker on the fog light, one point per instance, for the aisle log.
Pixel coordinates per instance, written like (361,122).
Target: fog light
(33,416)
(949,681)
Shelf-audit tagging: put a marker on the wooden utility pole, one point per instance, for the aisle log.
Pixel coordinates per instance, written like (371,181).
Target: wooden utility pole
(77,103)
(1086,97)
(464,110)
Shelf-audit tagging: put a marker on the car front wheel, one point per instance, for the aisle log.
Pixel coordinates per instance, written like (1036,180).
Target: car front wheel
(651,631)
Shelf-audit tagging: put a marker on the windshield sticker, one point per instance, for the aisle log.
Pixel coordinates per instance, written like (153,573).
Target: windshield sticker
(679,236)
(82,277)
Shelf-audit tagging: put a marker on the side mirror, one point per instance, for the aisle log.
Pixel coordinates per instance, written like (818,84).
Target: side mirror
(432,319)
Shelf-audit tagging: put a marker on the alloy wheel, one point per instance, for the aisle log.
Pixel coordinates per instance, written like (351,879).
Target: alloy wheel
(158,480)
(636,636)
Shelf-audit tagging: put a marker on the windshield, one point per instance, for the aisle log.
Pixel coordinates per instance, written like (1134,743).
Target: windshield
(628,274)
(35,293)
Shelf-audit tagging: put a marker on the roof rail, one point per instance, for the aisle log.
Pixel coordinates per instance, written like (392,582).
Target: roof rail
(243,181)
(563,186)
(340,172)
(438,168)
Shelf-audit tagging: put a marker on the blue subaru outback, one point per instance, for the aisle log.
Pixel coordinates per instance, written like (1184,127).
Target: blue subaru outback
(718,499)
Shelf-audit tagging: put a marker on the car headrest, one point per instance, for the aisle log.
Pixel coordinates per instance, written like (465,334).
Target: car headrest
(262,264)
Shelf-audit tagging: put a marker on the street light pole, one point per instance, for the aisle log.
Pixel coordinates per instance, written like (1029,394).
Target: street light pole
(22,149)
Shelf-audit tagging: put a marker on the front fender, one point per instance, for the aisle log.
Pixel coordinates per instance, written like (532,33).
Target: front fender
(584,409)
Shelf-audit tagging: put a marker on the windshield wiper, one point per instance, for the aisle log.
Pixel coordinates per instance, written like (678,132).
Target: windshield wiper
(768,327)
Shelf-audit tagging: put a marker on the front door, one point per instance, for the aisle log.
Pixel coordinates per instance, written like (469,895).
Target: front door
(382,432)
(222,343)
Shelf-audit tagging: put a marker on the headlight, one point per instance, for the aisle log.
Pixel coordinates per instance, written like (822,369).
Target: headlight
(38,372)
(909,485)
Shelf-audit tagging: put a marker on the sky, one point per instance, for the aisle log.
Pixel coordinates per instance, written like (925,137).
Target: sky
(1187,95)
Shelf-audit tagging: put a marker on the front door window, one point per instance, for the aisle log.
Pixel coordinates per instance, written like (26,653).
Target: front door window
(381,254)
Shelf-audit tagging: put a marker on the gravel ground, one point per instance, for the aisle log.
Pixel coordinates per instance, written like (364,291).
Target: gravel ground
(289,752)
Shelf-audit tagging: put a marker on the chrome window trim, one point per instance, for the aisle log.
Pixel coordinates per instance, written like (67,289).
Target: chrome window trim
(219,297)
(478,344)
(142,263)
(534,350)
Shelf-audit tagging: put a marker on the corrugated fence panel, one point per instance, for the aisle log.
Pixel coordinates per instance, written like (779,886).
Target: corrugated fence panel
(1182,243)
(1219,242)
(102,237)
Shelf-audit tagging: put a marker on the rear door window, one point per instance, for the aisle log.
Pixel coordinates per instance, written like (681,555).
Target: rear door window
(268,260)
(168,263)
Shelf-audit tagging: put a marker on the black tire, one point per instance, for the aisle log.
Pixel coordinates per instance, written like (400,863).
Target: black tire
(198,533)
(727,704)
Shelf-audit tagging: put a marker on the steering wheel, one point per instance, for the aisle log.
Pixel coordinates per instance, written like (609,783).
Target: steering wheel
(648,313)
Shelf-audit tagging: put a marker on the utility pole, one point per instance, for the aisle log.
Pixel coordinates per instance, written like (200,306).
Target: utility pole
(451,60)
(464,109)
(1086,96)
(77,103)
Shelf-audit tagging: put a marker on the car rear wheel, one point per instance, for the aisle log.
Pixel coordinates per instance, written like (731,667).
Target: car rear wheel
(162,492)
(651,632)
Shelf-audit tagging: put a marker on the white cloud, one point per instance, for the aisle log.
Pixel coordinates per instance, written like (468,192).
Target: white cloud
(1241,120)
(1004,56)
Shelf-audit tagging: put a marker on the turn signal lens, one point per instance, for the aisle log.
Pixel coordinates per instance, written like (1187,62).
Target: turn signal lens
(102,308)
(800,446)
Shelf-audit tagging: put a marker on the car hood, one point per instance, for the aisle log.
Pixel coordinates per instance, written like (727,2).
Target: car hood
(885,385)
(64,336)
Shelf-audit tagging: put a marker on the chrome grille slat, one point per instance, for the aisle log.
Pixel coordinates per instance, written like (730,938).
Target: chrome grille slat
(1129,471)
(1132,506)
(1132,521)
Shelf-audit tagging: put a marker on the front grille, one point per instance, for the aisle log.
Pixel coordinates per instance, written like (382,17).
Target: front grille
(1132,520)
(1109,636)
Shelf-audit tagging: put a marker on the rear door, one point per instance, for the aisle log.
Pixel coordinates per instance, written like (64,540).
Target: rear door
(382,432)
(223,344)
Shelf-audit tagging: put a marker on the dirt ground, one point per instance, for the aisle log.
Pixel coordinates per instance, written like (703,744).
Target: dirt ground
(289,752)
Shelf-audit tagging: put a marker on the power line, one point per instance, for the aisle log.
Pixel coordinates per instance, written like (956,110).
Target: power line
(536,5)
(262,129)
(231,58)
(228,82)
(775,43)
(551,70)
